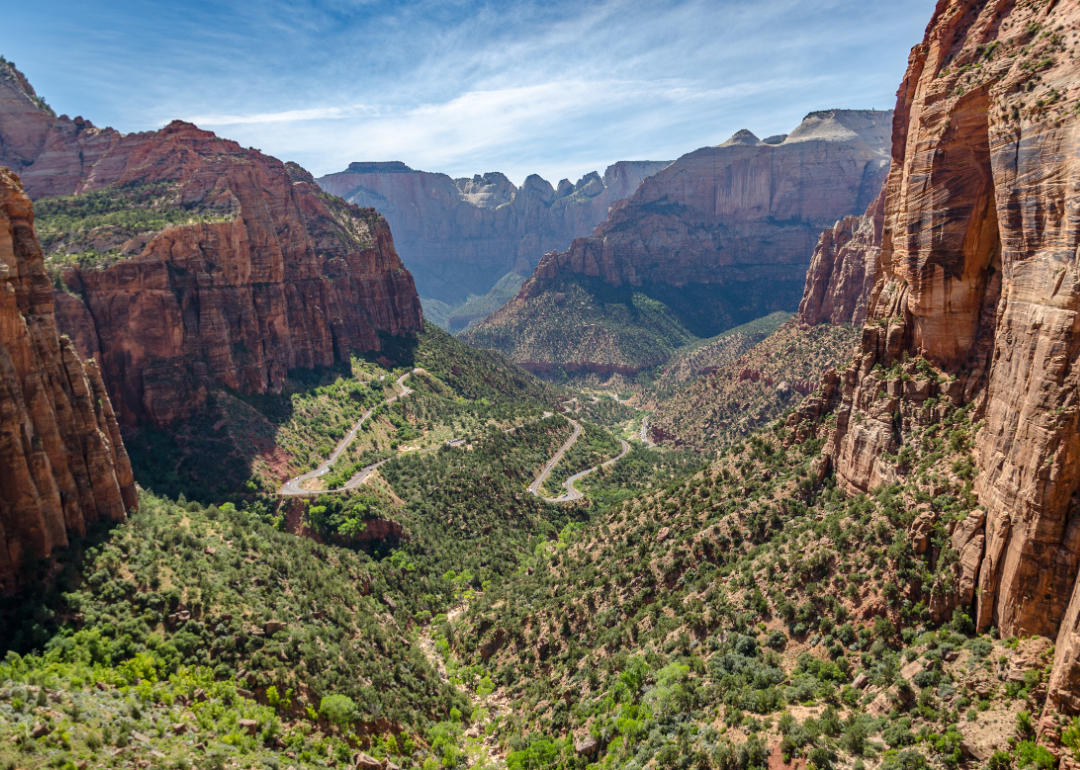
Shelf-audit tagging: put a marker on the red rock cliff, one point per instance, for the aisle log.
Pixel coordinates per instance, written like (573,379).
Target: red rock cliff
(743,210)
(979,272)
(841,274)
(270,274)
(459,236)
(62,463)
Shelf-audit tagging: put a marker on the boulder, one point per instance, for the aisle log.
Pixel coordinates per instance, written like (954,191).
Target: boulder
(587,746)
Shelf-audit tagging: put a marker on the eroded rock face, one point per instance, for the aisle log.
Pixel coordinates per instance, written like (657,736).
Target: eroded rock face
(459,236)
(979,273)
(841,274)
(719,238)
(741,210)
(293,279)
(62,462)
(272,275)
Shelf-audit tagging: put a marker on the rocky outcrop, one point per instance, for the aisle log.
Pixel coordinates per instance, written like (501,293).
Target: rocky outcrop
(979,273)
(459,236)
(62,462)
(268,274)
(841,274)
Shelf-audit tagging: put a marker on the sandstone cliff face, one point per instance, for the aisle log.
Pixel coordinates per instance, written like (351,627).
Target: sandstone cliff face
(720,237)
(62,462)
(739,211)
(459,236)
(841,274)
(979,273)
(293,279)
(268,274)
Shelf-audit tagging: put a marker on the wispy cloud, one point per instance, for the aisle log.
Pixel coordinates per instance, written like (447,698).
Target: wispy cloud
(558,88)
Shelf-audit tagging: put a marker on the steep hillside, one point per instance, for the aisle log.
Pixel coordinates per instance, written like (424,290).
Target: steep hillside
(888,575)
(458,236)
(457,318)
(720,237)
(185,262)
(63,466)
(590,327)
(741,395)
(240,446)
(707,356)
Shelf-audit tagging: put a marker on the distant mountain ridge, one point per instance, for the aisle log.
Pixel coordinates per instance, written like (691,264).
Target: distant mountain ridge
(720,237)
(460,236)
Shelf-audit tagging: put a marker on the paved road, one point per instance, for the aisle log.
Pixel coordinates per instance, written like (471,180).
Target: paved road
(535,486)
(645,432)
(571,492)
(293,488)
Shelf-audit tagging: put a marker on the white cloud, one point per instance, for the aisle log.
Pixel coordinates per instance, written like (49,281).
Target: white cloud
(558,87)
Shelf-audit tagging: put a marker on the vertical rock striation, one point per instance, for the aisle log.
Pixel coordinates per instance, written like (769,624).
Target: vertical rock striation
(840,278)
(979,273)
(62,463)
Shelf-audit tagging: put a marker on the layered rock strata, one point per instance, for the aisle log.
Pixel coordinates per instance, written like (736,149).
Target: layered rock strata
(720,237)
(459,236)
(260,271)
(979,273)
(62,462)
(740,210)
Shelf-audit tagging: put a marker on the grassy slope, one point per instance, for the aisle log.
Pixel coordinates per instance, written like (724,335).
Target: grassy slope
(715,411)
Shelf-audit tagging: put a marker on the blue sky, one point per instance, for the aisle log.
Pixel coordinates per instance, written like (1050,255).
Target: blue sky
(556,88)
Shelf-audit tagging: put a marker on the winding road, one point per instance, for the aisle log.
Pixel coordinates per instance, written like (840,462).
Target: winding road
(292,488)
(571,493)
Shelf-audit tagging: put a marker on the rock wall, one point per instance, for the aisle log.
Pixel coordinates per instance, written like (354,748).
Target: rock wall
(841,274)
(271,273)
(719,238)
(740,211)
(62,462)
(459,236)
(979,273)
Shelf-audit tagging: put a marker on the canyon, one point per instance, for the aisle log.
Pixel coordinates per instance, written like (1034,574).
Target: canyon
(460,236)
(252,272)
(63,466)
(718,238)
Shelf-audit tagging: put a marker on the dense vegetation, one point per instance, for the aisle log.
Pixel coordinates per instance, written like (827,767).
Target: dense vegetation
(242,446)
(577,324)
(90,228)
(581,319)
(203,617)
(754,605)
(593,447)
(726,405)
